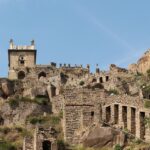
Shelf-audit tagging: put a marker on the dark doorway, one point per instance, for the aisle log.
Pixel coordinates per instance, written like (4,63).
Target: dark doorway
(107,78)
(21,75)
(142,125)
(42,74)
(124,116)
(116,114)
(46,145)
(108,114)
(101,79)
(133,120)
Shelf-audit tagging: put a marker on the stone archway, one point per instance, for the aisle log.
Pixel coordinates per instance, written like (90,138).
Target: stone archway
(46,145)
(21,75)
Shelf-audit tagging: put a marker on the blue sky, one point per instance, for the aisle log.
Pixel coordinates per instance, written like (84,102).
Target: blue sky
(77,31)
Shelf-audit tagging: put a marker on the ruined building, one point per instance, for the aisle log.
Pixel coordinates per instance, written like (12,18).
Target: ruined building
(94,106)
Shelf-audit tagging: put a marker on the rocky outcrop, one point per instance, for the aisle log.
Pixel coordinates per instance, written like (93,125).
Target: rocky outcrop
(142,65)
(6,88)
(21,112)
(104,137)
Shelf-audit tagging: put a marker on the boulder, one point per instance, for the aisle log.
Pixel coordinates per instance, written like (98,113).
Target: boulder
(7,88)
(104,137)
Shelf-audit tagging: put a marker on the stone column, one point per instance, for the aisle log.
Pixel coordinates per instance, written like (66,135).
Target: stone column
(35,138)
(112,113)
(129,118)
(120,121)
(137,124)
(103,113)
(24,144)
(147,129)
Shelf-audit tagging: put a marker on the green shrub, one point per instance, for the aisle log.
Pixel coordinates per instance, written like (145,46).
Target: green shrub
(118,147)
(81,83)
(13,103)
(7,146)
(146,89)
(41,100)
(148,73)
(25,133)
(5,130)
(35,120)
(147,103)
(19,129)
(61,145)
(54,120)
(147,121)
(61,114)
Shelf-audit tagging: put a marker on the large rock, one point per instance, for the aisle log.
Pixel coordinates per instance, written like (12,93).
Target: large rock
(7,88)
(104,137)
(142,65)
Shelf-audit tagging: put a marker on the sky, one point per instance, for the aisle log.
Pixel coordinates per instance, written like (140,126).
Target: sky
(84,32)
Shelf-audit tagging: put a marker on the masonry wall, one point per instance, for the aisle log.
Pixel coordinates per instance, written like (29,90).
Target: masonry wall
(85,107)
(28,56)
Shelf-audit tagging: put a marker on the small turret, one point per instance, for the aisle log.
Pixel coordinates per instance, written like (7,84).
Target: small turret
(11,44)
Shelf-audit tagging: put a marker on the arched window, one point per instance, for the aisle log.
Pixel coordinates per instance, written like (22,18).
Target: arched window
(46,145)
(42,74)
(21,60)
(21,75)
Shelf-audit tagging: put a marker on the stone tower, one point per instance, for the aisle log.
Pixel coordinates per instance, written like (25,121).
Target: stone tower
(20,58)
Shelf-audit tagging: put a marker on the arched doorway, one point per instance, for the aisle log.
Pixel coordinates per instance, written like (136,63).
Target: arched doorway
(42,74)
(46,145)
(21,75)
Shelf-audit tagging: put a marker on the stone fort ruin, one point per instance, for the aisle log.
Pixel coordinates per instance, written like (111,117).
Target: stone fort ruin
(90,102)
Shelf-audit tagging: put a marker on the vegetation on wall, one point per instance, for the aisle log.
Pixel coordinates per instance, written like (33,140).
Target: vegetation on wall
(81,83)
(147,103)
(11,138)
(118,147)
(14,102)
(148,73)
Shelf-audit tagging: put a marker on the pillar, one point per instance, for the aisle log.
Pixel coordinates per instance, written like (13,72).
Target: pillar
(138,124)
(120,119)
(112,110)
(129,118)
(147,129)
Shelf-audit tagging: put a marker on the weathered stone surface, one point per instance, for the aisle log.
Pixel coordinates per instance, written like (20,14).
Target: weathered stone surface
(104,137)
(7,88)
(20,113)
